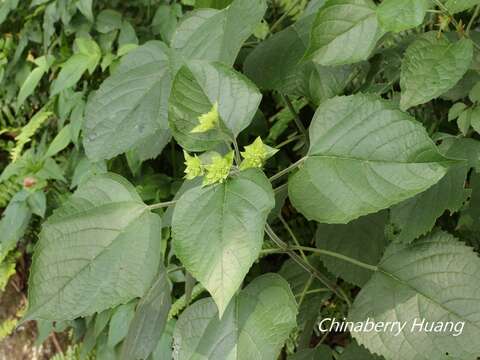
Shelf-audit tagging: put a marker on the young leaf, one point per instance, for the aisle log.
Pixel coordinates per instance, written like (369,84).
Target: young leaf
(131,106)
(365,155)
(254,326)
(218,231)
(218,35)
(87,58)
(435,279)
(344,32)
(197,88)
(100,249)
(28,87)
(431,66)
(456,110)
(362,239)
(60,142)
(400,15)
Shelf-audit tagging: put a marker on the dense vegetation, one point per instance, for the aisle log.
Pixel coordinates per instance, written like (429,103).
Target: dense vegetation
(209,179)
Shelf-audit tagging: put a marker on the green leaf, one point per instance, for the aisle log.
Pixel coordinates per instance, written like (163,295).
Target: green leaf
(218,249)
(85,7)
(431,66)
(474,94)
(37,202)
(475,118)
(197,88)
(275,64)
(464,121)
(119,323)
(344,32)
(436,279)
(456,110)
(362,239)
(130,108)
(165,21)
(14,223)
(108,20)
(99,250)
(254,326)
(150,320)
(218,35)
(416,216)
(60,142)
(87,58)
(28,87)
(400,15)
(456,6)
(6,7)
(271,62)
(365,155)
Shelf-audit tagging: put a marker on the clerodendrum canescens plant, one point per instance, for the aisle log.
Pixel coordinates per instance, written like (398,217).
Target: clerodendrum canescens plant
(217,179)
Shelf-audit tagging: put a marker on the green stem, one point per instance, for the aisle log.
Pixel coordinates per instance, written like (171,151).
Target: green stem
(162,205)
(338,256)
(288,141)
(175,269)
(296,118)
(292,235)
(314,291)
(305,290)
(288,169)
(307,267)
(472,19)
(238,159)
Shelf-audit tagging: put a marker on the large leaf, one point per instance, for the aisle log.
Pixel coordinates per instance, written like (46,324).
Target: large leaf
(344,32)
(431,66)
(197,87)
(218,35)
(364,156)
(218,231)
(362,239)
(400,15)
(131,106)
(455,6)
(276,57)
(100,249)
(254,326)
(149,321)
(435,279)
(275,64)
